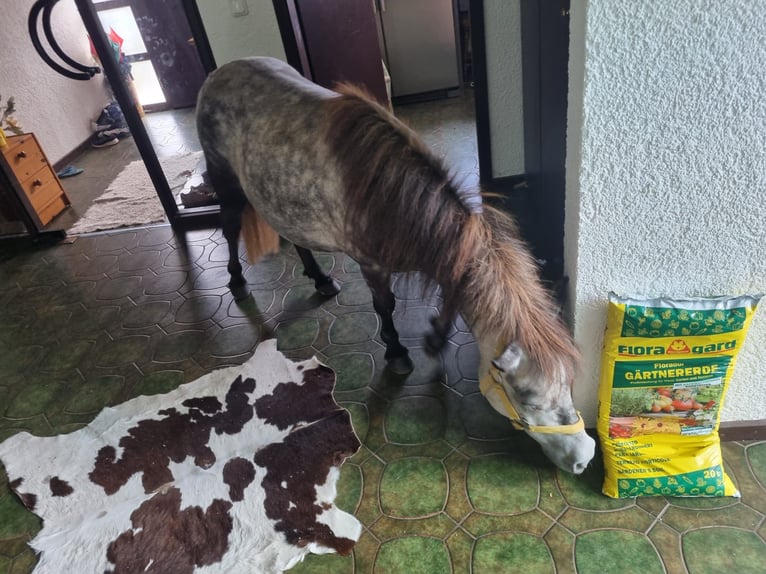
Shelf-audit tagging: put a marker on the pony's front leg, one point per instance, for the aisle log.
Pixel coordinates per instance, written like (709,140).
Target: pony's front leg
(323,283)
(383,300)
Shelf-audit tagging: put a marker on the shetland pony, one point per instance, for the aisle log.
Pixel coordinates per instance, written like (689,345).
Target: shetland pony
(334,171)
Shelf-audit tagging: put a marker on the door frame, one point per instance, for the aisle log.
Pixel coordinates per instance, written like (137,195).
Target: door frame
(180,219)
(541,188)
(289,24)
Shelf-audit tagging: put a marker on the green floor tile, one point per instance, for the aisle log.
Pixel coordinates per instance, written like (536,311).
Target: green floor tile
(355,293)
(95,395)
(413,487)
(324,564)
(414,420)
(157,383)
(756,456)
(413,555)
(435,526)
(616,551)
(24,562)
(717,550)
(302,297)
(178,346)
(499,485)
(633,518)
(353,328)
(296,334)
(738,514)
(66,356)
(460,545)
(10,547)
(532,522)
(360,419)
(15,520)
(584,491)
(36,399)
(561,544)
(668,544)
(500,552)
(353,370)
(349,488)
(234,340)
(265,271)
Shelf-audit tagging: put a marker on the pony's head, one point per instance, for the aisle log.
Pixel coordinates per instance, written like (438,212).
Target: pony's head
(540,404)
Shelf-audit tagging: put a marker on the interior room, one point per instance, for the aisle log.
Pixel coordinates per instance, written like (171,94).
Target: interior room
(537,104)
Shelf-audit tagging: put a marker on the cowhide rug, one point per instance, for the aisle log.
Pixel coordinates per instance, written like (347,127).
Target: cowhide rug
(234,472)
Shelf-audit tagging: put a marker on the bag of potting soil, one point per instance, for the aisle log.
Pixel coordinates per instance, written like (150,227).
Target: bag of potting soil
(665,370)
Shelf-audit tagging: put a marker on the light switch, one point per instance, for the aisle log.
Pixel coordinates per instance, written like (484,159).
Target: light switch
(238,7)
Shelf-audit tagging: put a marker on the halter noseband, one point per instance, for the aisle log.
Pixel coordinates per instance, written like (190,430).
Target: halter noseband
(490,383)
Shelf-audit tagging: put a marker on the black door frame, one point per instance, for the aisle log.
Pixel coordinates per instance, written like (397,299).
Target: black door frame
(180,219)
(545,76)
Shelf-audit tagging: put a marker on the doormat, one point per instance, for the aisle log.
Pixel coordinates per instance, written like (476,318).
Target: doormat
(131,199)
(235,472)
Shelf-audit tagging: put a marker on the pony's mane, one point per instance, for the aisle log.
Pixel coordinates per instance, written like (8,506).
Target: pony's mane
(405,213)
(507,298)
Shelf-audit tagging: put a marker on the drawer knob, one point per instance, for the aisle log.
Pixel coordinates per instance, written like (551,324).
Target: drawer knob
(21,154)
(37,182)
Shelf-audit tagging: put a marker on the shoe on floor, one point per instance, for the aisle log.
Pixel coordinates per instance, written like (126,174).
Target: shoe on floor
(100,140)
(69,171)
(198,196)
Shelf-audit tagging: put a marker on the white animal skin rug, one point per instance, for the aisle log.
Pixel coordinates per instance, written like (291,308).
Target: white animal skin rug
(235,472)
(131,199)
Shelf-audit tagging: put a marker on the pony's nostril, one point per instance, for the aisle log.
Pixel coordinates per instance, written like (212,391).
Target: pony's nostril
(579,467)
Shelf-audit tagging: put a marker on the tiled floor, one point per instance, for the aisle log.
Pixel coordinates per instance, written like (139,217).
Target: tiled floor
(442,484)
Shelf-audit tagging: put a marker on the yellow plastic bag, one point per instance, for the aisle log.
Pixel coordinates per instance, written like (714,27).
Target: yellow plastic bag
(665,370)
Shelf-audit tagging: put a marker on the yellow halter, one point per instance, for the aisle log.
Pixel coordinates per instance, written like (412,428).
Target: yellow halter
(490,383)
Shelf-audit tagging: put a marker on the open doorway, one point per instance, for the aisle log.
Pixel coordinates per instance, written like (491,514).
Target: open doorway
(160,65)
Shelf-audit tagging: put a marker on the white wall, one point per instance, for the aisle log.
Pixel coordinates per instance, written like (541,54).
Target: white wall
(502,27)
(666,168)
(256,34)
(58,110)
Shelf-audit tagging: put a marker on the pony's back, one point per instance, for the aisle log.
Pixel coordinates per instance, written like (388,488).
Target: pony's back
(260,126)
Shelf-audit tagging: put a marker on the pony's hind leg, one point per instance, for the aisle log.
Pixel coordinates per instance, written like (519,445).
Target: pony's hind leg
(397,356)
(323,283)
(233,202)
(231,223)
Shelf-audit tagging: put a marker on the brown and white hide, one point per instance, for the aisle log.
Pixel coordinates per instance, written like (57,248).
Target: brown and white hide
(234,472)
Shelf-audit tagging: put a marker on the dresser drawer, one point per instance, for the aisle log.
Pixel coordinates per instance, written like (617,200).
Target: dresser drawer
(24,156)
(52,210)
(42,188)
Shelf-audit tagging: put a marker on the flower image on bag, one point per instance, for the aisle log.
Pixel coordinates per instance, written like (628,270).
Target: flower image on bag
(665,370)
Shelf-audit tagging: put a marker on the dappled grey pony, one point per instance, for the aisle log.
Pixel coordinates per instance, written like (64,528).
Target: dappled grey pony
(334,171)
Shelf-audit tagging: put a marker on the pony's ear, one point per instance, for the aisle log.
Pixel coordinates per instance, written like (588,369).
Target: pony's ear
(508,361)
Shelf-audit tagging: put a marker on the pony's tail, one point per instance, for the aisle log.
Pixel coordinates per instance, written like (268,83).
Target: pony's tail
(260,238)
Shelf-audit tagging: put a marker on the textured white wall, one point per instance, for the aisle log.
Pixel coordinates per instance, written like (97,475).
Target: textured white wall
(58,110)
(666,168)
(502,23)
(256,34)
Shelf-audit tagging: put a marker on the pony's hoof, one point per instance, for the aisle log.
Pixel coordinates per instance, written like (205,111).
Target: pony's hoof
(328,289)
(401,365)
(239,292)
(434,344)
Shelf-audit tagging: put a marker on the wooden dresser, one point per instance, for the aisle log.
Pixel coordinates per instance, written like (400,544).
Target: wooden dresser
(32,178)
